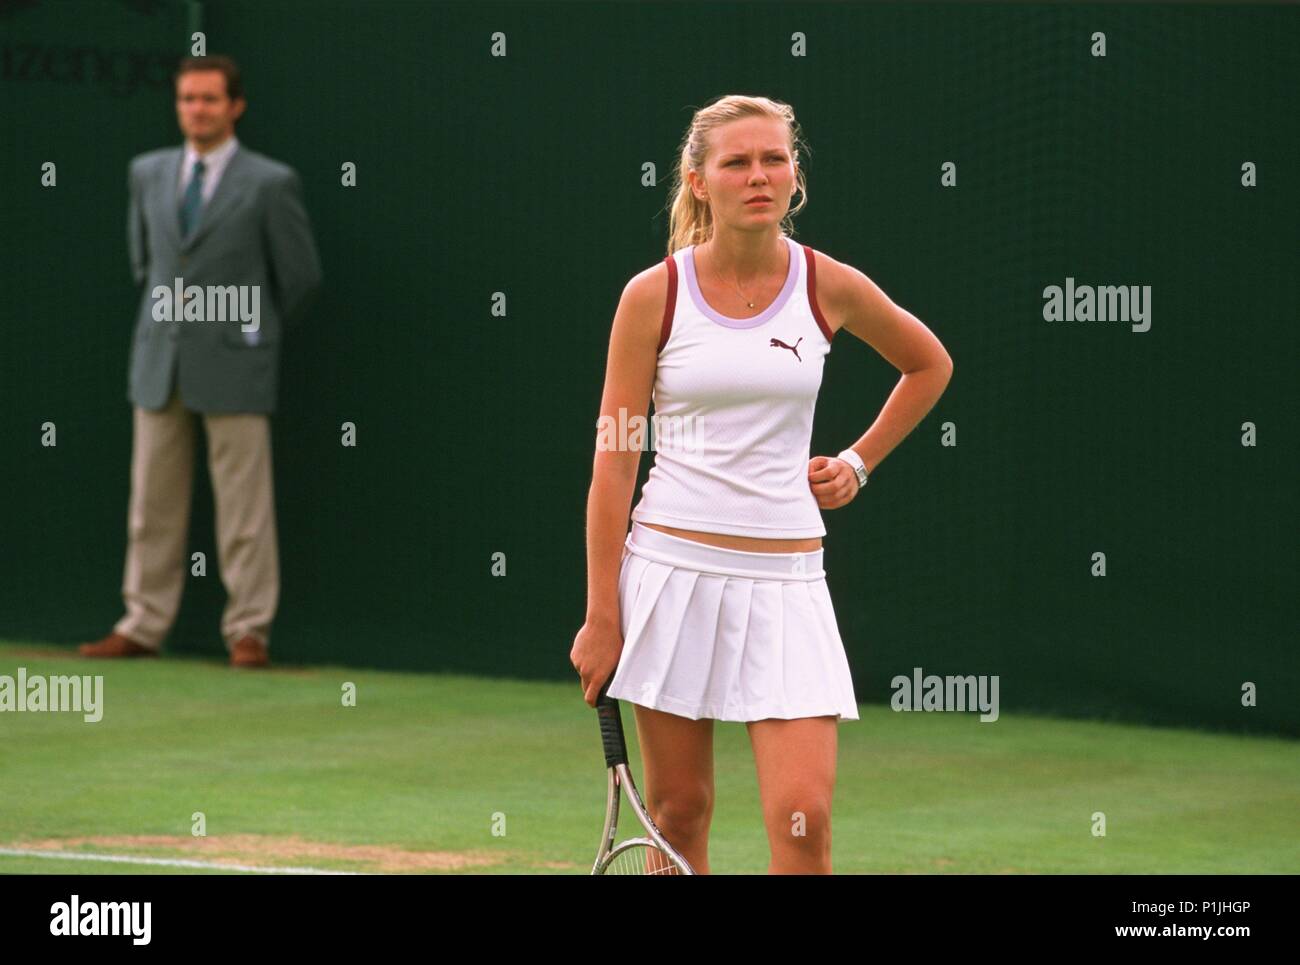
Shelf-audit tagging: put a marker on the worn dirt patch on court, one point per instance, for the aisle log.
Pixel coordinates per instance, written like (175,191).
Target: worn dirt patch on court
(270,850)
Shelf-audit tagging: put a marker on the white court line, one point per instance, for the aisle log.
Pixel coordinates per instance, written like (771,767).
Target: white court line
(168,862)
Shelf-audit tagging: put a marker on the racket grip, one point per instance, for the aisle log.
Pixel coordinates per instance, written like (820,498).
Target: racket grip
(611,727)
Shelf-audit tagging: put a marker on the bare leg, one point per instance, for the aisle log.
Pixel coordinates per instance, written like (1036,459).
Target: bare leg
(796,779)
(677,779)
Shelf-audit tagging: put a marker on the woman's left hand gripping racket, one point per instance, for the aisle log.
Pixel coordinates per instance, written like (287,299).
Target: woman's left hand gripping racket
(650,854)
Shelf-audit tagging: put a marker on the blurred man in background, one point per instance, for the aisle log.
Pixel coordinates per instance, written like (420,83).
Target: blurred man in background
(210,213)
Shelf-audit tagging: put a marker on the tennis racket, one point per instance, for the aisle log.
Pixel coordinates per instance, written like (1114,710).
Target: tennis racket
(650,853)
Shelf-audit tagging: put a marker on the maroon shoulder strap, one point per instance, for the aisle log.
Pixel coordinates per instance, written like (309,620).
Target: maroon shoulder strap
(671,304)
(812,294)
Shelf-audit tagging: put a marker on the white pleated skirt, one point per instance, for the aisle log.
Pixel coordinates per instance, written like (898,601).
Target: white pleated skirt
(728,634)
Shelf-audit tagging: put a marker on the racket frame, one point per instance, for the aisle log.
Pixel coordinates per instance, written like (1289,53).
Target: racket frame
(620,778)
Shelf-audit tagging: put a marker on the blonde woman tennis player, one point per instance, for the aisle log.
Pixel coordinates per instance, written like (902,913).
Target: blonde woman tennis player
(715,605)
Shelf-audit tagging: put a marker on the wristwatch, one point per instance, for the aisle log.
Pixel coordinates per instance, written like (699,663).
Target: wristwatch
(854,460)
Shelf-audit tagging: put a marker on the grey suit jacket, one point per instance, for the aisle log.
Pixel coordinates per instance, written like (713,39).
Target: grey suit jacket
(254,231)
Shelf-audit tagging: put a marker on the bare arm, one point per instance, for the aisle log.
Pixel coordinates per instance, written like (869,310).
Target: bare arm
(903,340)
(629,378)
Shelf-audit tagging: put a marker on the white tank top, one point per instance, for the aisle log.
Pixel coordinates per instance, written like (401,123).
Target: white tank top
(734,401)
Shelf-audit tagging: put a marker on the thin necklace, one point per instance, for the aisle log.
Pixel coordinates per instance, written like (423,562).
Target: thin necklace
(737,286)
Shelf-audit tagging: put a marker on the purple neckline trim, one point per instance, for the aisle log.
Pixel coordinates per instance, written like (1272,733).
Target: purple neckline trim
(727,321)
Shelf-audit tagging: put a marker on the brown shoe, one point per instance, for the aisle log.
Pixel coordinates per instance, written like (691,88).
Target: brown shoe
(116,645)
(249,652)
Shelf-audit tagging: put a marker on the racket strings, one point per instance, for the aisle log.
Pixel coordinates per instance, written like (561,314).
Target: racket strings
(641,859)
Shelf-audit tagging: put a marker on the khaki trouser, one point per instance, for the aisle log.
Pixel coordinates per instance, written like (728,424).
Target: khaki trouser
(162,474)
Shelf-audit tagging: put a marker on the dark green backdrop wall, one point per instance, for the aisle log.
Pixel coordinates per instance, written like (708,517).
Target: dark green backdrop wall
(522,175)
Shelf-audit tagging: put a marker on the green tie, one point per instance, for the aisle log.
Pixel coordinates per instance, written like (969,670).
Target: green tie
(193,200)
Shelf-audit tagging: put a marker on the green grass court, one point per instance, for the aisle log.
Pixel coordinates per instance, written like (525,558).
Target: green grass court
(418,776)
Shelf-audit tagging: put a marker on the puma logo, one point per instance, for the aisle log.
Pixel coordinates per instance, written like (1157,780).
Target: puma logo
(793,348)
